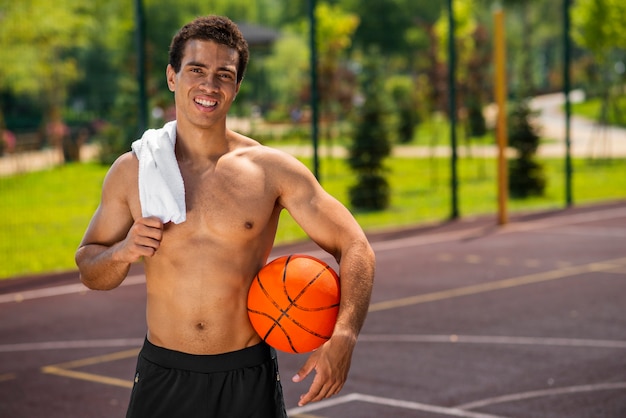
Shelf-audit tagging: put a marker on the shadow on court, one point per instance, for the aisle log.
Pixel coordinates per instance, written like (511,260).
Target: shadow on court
(467,320)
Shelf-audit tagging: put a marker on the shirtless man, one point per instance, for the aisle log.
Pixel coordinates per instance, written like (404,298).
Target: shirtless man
(201,355)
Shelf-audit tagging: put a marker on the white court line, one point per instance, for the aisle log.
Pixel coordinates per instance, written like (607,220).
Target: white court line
(541,393)
(485,339)
(63,345)
(60,290)
(415,406)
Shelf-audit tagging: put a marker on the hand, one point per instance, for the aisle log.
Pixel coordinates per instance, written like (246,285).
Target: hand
(143,239)
(331,363)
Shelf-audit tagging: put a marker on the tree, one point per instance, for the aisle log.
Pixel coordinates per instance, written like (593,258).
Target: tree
(371,144)
(526,175)
(37,38)
(290,59)
(403,92)
(473,59)
(334,33)
(534,51)
(598,25)
(389,24)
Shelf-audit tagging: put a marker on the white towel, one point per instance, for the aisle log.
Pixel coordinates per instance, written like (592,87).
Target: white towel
(161,187)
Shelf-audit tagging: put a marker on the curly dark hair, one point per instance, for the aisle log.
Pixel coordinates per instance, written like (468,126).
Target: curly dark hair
(219,29)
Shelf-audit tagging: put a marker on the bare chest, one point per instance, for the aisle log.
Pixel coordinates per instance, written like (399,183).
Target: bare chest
(232,198)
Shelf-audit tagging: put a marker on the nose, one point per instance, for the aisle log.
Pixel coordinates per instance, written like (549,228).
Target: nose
(209,84)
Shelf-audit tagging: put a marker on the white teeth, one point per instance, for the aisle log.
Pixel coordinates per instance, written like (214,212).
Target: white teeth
(205,103)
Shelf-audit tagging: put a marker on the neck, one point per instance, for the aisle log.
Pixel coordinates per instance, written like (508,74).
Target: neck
(198,144)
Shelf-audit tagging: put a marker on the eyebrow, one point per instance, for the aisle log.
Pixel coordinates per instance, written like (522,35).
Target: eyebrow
(230,69)
(195,64)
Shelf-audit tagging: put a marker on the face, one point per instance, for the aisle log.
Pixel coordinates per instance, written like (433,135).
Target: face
(206,84)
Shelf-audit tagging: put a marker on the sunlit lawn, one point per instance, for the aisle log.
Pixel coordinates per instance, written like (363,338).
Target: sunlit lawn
(44,214)
(592,109)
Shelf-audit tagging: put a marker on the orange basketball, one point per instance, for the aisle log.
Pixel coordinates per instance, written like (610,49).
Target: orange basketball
(293,303)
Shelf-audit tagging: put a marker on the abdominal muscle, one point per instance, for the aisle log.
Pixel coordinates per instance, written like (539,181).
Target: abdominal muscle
(199,306)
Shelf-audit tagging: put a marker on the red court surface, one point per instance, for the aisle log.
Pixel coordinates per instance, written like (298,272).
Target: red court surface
(467,319)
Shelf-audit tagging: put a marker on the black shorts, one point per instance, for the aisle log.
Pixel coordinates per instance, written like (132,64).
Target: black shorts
(239,384)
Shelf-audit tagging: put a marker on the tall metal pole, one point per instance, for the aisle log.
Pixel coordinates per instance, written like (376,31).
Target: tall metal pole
(500,93)
(314,91)
(454,213)
(140,34)
(568,107)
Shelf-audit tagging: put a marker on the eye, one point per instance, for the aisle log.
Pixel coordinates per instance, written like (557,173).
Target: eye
(196,70)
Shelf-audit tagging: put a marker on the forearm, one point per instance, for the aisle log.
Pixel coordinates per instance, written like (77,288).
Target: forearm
(99,266)
(357,266)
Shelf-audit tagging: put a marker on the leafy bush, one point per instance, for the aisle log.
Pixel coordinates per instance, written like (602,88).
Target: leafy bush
(116,136)
(402,90)
(526,175)
(371,144)
(477,125)
(113,143)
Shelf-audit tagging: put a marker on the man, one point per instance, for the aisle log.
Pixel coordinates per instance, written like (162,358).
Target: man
(201,356)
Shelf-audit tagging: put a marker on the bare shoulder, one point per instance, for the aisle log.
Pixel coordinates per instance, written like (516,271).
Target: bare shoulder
(121,178)
(125,163)
(272,160)
(124,168)
(294,183)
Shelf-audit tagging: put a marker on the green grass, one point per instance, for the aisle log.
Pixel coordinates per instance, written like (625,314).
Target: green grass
(44,214)
(591,109)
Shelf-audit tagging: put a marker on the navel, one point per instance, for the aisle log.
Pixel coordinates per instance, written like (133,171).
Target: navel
(249,225)
(200,326)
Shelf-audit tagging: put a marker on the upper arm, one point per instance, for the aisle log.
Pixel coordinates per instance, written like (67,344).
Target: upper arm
(333,228)
(325,220)
(113,218)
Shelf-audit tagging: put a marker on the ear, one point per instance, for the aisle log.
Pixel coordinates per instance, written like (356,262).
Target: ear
(170,74)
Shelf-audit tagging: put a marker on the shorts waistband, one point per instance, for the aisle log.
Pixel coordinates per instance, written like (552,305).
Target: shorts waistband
(208,363)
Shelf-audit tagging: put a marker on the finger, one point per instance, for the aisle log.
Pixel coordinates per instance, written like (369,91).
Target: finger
(150,244)
(318,392)
(143,241)
(152,231)
(151,226)
(334,389)
(305,370)
(152,221)
(314,394)
(323,386)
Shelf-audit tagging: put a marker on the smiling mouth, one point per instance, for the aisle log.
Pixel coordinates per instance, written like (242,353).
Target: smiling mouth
(205,103)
